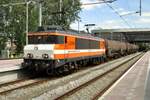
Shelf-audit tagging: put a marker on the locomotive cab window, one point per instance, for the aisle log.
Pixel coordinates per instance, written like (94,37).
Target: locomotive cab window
(51,39)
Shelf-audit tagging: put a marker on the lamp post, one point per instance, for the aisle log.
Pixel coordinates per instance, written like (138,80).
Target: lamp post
(60,8)
(79,25)
(27,18)
(27,21)
(40,13)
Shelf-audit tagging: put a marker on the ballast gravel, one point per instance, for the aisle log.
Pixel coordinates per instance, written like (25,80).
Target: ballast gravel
(56,87)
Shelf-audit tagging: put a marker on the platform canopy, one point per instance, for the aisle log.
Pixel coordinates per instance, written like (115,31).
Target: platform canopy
(131,35)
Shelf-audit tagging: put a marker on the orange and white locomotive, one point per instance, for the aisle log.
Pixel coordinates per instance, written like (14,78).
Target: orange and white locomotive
(60,50)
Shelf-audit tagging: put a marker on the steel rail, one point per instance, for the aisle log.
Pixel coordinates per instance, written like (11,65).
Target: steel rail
(71,92)
(21,83)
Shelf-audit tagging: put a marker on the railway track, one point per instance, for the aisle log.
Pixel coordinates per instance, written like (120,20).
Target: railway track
(62,87)
(19,79)
(21,83)
(115,73)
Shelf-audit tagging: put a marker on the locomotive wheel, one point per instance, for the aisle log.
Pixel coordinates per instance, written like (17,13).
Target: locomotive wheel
(64,70)
(84,63)
(58,71)
(72,67)
(76,66)
(50,71)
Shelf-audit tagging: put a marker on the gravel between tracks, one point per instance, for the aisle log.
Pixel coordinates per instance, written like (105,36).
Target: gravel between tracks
(94,90)
(54,88)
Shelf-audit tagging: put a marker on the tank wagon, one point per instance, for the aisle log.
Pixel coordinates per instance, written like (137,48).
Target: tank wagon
(115,49)
(57,51)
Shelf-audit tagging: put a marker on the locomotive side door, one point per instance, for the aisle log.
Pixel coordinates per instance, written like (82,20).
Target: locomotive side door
(65,48)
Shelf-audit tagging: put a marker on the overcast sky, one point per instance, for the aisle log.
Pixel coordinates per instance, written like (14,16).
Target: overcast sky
(104,17)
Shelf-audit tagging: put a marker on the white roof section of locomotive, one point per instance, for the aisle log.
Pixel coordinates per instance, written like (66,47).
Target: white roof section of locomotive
(73,33)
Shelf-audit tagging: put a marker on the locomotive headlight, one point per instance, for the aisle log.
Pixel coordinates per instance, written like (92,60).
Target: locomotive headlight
(29,55)
(45,56)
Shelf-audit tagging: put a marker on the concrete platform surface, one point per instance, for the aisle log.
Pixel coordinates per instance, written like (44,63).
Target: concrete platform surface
(147,87)
(132,85)
(9,65)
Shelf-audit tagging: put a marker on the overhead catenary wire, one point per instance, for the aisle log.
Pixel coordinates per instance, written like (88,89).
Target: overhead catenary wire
(118,14)
(96,3)
(86,4)
(100,2)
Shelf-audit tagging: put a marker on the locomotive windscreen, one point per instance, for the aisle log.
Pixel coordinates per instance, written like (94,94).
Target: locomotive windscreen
(51,39)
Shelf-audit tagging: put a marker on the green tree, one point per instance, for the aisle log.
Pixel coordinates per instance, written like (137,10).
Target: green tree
(14,17)
(69,12)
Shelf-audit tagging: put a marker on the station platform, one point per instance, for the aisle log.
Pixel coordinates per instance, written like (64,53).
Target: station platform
(9,65)
(134,84)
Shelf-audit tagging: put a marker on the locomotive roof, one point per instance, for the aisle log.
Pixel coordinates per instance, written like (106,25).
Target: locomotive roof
(67,32)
